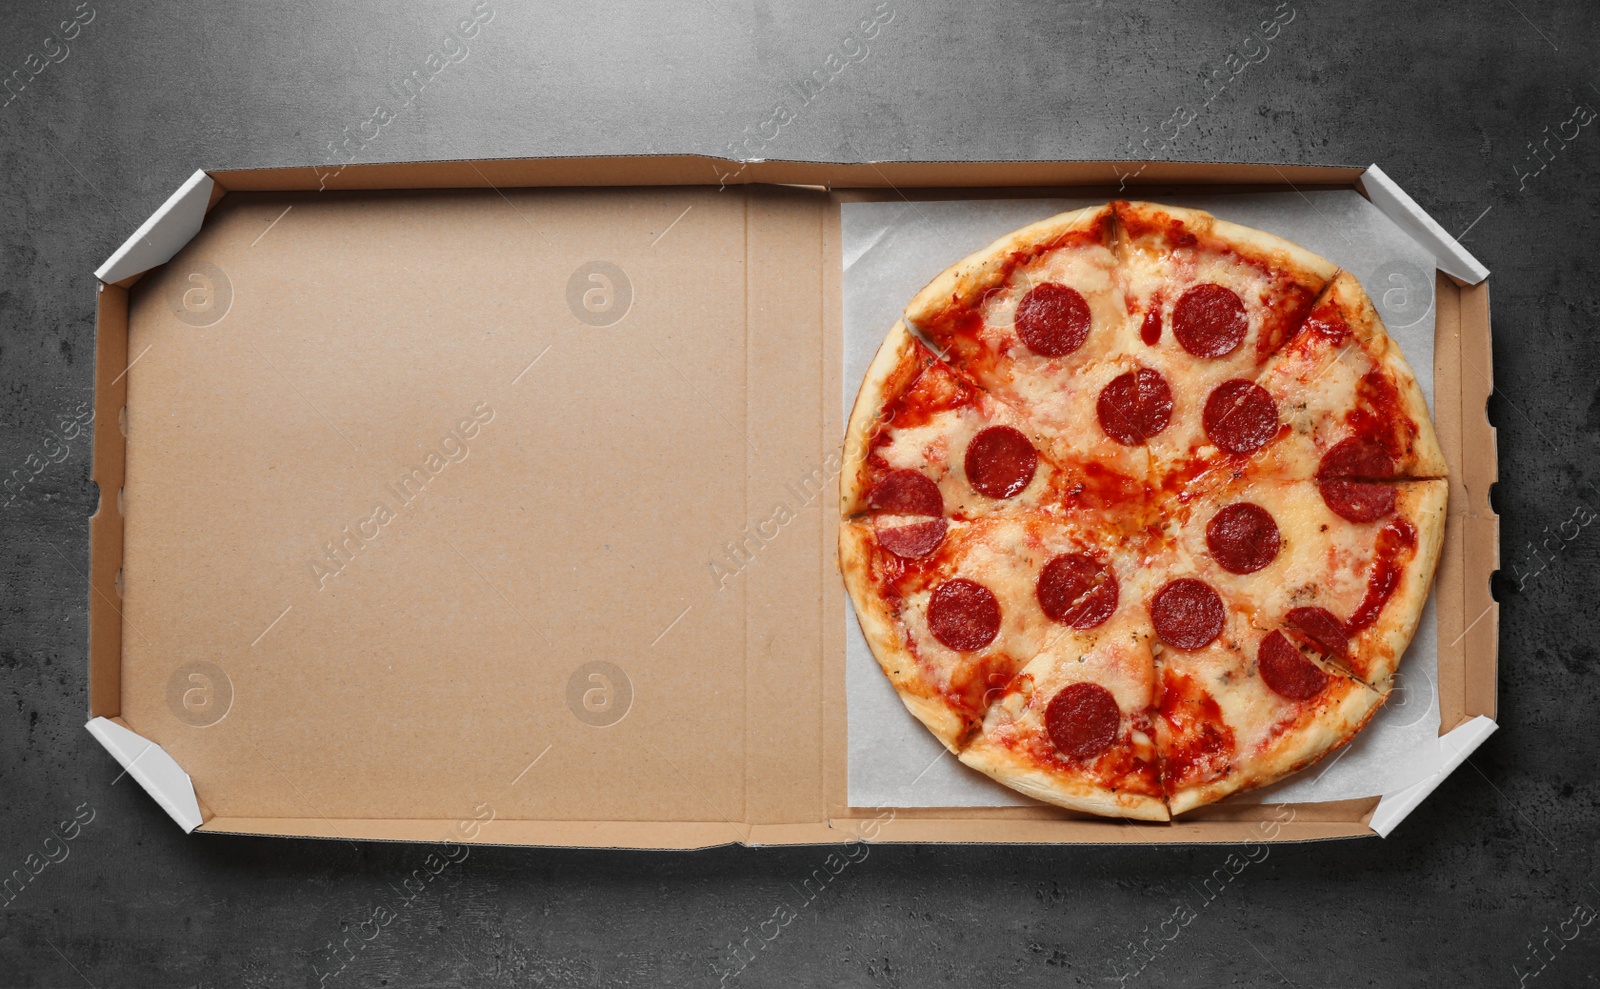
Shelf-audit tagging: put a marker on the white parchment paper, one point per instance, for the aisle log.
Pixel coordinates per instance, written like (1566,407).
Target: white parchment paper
(892,249)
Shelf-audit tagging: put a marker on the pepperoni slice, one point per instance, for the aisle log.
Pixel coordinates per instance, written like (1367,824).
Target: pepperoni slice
(1242,538)
(1358,501)
(1077,590)
(1083,720)
(1357,458)
(1053,320)
(963,614)
(1000,462)
(1322,628)
(1350,478)
(1187,614)
(906,492)
(1240,416)
(1135,406)
(1286,672)
(1209,321)
(913,540)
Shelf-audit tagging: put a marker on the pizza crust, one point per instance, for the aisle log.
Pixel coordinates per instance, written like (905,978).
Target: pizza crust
(1268,248)
(1323,561)
(1001,764)
(1306,743)
(892,371)
(1425,505)
(1015,746)
(917,413)
(1427,459)
(964,283)
(887,641)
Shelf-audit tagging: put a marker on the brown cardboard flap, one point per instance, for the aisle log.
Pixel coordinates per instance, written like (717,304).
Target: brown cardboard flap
(598,404)
(105,526)
(403,639)
(571,834)
(1480,468)
(1314,823)
(700,170)
(1085,832)
(1468,614)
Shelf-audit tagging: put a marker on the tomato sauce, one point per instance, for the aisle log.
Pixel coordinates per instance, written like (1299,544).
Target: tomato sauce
(1091,485)
(1288,306)
(1394,539)
(1327,322)
(1380,416)
(1150,332)
(1201,743)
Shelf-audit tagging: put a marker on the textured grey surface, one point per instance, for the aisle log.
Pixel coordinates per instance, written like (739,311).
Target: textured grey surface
(1448,98)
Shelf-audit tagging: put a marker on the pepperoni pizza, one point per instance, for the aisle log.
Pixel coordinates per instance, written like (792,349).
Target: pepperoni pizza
(1141,509)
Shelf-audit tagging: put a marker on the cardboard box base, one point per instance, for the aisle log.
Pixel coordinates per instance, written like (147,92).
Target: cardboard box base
(604,608)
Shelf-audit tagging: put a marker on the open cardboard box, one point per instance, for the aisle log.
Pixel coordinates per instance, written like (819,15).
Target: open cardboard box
(496,501)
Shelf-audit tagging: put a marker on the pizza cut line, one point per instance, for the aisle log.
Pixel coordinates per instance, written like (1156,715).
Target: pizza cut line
(1140,509)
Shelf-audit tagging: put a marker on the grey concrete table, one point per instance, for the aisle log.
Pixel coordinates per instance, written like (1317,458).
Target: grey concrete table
(1472,108)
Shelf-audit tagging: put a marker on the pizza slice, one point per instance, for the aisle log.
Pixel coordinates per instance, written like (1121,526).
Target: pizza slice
(1209,302)
(1033,304)
(952,627)
(1347,403)
(1038,318)
(926,443)
(1238,703)
(1073,728)
(1350,591)
(1248,709)
(1207,294)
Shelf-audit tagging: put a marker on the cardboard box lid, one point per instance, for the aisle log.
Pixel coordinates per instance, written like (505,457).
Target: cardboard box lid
(408,531)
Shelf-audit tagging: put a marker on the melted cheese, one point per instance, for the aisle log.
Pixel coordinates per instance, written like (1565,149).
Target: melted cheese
(938,448)
(1006,556)
(1324,560)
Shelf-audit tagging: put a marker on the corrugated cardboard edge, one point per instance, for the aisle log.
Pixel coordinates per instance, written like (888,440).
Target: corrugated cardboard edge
(153,768)
(164,234)
(1453,259)
(1469,693)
